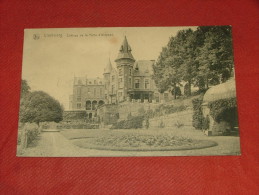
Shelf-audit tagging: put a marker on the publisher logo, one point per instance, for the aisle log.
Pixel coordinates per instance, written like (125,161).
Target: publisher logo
(36,36)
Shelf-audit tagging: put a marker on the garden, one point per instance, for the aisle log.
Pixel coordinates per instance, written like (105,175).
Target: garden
(136,140)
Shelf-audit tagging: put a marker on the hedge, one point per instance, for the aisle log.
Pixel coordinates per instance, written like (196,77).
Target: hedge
(132,123)
(219,106)
(165,110)
(77,125)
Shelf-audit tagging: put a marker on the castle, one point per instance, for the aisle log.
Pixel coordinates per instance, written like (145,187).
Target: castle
(131,81)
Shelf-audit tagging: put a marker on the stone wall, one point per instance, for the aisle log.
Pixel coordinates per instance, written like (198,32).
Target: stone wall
(134,109)
(183,118)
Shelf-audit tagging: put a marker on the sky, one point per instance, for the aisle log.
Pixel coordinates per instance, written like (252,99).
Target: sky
(53,57)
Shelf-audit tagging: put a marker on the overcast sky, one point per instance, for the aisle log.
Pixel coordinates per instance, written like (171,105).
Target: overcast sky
(52,57)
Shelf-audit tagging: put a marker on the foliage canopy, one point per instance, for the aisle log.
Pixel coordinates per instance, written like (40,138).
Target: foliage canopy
(201,58)
(38,106)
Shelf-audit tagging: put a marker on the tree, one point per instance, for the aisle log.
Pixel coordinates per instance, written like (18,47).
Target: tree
(38,107)
(25,88)
(214,55)
(166,70)
(202,57)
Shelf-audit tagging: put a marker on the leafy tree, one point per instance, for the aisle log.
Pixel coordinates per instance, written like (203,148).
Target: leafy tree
(202,57)
(214,54)
(166,70)
(38,107)
(25,88)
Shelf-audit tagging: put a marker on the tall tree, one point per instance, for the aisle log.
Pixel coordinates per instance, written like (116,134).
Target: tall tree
(166,71)
(38,107)
(214,54)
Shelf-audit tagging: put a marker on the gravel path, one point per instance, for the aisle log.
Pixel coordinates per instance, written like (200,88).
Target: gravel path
(54,144)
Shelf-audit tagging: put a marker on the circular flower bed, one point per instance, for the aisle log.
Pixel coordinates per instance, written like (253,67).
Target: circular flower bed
(143,143)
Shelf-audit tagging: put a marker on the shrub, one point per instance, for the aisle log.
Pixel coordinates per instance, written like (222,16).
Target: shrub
(219,106)
(77,125)
(197,118)
(133,122)
(167,109)
(30,131)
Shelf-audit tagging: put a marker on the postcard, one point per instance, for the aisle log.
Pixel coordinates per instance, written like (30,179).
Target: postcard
(128,91)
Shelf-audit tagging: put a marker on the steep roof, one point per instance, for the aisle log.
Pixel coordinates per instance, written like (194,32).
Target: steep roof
(125,51)
(143,67)
(108,67)
(222,91)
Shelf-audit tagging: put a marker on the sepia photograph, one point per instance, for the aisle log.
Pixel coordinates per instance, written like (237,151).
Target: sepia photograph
(128,91)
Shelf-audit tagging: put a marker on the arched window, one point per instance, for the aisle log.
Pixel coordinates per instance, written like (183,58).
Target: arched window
(88,105)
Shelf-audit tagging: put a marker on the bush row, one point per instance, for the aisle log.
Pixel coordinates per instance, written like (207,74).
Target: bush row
(164,110)
(132,123)
(77,125)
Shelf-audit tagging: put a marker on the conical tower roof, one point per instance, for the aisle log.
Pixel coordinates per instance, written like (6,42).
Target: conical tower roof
(108,67)
(125,51)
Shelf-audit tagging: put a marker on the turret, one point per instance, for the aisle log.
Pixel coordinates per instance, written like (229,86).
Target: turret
(125,62)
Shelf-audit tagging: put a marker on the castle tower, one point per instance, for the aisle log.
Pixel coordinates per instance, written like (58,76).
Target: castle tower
(125,62)
(107,75)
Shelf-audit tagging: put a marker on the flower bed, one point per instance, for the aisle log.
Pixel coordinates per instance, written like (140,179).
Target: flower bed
(143,143)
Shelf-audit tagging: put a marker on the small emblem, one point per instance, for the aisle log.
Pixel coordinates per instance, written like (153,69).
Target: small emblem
(36,36)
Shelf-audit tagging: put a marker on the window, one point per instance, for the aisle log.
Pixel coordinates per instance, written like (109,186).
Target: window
(120,71)
(120,94)
(120,83)
(130,71)
(88,90)
(113,77)
(78,105)
(130,83)
(137,82)
(147,84)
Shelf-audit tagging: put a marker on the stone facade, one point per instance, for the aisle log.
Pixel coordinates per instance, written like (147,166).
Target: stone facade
(131,81)
(88,94)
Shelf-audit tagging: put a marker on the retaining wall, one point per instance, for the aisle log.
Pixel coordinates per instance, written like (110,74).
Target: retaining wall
(173,120)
